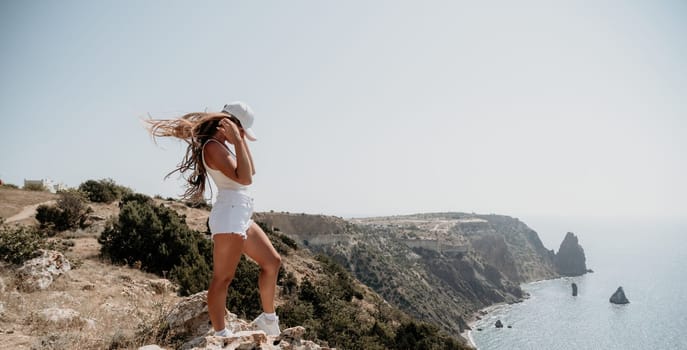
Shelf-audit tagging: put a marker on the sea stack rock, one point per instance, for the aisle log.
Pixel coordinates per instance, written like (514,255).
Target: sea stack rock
(619,297)
(570,259)
(574,288)
(498,324)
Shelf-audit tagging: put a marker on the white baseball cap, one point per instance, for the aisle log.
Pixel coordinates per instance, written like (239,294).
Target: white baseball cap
(244,114)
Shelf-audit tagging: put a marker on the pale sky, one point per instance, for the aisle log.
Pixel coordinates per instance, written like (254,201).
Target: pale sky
(363,107)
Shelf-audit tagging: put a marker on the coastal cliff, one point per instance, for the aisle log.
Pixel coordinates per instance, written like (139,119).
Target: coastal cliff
(464,261)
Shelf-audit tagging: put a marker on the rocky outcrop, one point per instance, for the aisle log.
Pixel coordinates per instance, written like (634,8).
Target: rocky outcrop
(150,347)
(570,259)
(290,339)
(498,324)
(63,317)
(189,319)
(39,273)
(241,340)
(619,297)
(162,286)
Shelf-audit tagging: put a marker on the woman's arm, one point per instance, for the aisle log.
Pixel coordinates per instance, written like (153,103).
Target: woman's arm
(244,168)
(250,156)
(217,156)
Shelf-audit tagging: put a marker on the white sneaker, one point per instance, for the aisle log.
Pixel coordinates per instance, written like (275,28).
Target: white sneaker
(268,326)
(224,333)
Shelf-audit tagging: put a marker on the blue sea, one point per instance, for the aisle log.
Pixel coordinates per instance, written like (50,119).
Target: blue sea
(647,257)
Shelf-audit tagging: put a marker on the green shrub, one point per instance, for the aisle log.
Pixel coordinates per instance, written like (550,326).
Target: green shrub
(382,332)
(330,315)
(243,297)
(317,297)
(289,284)
(49,215)
(6,185)
(342,282)
(281,242)
(421,335)
(195,271)
(287,240)
(191,275)
(104,190)
(70,212)
(158,239)
(20,243)
(296,312)
(136,197)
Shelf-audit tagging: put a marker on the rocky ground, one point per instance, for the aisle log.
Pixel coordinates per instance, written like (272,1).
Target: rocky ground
(86,304)
(76,300)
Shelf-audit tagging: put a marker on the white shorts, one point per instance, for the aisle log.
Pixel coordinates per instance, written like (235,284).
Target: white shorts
(231,213)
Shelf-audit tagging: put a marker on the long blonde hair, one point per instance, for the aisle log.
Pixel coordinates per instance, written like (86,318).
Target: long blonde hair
(194,129)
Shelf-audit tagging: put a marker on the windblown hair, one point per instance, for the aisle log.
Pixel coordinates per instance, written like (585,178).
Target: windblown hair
(195,129)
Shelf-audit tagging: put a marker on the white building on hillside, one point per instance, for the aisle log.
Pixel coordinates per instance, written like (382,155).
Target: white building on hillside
(48,184)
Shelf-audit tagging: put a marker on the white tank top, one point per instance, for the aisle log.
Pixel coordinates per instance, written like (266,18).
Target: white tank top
(222,181)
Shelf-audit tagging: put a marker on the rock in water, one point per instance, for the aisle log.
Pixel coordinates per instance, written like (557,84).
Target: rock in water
(570,259)
(498,324)
(574,288)
(619,297)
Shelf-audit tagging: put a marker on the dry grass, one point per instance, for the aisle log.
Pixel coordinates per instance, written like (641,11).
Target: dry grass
(12,201)
(118,306)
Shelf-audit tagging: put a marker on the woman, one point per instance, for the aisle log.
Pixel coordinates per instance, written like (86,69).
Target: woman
(233,231)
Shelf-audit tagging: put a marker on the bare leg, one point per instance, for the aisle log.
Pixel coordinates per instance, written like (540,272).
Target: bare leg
(259,248)
(226,255)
